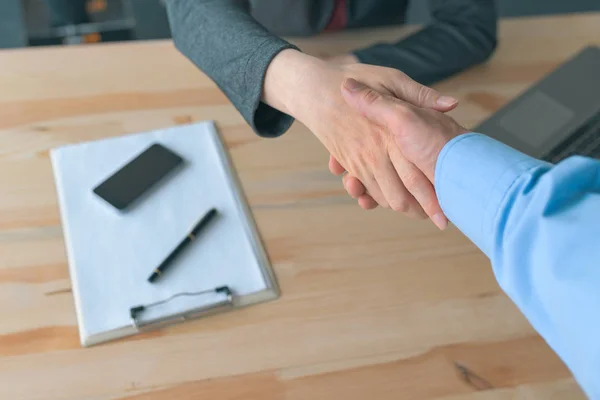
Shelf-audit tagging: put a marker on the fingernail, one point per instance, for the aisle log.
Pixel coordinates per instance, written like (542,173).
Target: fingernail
(446,101)
(440,221)
(353,85)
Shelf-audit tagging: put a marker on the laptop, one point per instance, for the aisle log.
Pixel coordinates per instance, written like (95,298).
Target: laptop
(557,117)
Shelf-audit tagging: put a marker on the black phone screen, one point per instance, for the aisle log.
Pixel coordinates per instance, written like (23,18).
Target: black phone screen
(138,176)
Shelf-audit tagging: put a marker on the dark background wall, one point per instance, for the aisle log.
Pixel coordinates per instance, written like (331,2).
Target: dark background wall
(28,22)
(515,8)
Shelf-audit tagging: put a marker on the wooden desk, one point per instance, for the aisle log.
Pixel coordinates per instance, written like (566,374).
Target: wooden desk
(374,305)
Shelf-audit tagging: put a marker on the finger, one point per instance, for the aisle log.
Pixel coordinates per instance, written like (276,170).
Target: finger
(381,109)
(373,188)
(335,167)
(420,188)
(377,106)
(353,186)
(366,202)
(397,196)
(357,190)
(419,95)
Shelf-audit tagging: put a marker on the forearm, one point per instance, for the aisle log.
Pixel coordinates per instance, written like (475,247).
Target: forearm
(539,224)
(225,42)
(463,34)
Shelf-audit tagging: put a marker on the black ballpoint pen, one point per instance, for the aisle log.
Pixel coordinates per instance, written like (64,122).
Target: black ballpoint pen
(160,270)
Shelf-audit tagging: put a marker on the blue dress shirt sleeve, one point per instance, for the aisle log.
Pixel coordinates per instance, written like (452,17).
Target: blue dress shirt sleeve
(540,226)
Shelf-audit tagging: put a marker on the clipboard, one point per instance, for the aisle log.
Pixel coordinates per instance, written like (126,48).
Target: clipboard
(110,254)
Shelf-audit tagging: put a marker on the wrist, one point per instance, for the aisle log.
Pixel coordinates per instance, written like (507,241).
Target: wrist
(344,59)
(286,80)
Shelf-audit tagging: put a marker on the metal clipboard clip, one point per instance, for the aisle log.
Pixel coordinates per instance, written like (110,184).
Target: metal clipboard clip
(209,309)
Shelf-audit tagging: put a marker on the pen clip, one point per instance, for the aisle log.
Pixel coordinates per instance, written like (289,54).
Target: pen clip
(209,309)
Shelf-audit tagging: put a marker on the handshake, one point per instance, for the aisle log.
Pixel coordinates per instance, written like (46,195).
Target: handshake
(397,164)
(383,130)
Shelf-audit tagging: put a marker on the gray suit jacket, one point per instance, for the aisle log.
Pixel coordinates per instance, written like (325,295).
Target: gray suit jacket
(233,42)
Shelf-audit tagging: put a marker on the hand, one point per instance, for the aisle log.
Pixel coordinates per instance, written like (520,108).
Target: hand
(312,94)
(344,59)
(419,133)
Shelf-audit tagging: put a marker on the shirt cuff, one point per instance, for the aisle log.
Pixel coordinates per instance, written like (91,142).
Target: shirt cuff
(472,177)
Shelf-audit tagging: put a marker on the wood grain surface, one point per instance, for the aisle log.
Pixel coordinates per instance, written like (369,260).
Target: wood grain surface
(374,305)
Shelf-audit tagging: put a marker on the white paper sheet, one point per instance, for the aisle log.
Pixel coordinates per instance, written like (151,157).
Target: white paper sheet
(112,253)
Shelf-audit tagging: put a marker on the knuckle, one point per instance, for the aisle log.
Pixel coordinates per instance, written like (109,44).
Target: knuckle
(401,205)
(412,180)
(371,96)
(354,68)
(398,75)
(424,94)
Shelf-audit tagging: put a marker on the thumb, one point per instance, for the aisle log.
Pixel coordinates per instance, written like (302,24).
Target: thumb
(377,107)
(419,95)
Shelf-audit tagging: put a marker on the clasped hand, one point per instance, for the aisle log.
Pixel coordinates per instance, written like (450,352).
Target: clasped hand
(418,133)
(367,130)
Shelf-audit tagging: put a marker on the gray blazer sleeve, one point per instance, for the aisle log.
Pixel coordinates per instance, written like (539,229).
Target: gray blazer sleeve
(222,39)
(462,34)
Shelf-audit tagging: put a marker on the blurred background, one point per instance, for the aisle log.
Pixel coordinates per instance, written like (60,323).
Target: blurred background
(52,22)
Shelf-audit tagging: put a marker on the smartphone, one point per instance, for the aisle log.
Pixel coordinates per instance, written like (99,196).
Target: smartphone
(138,176)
